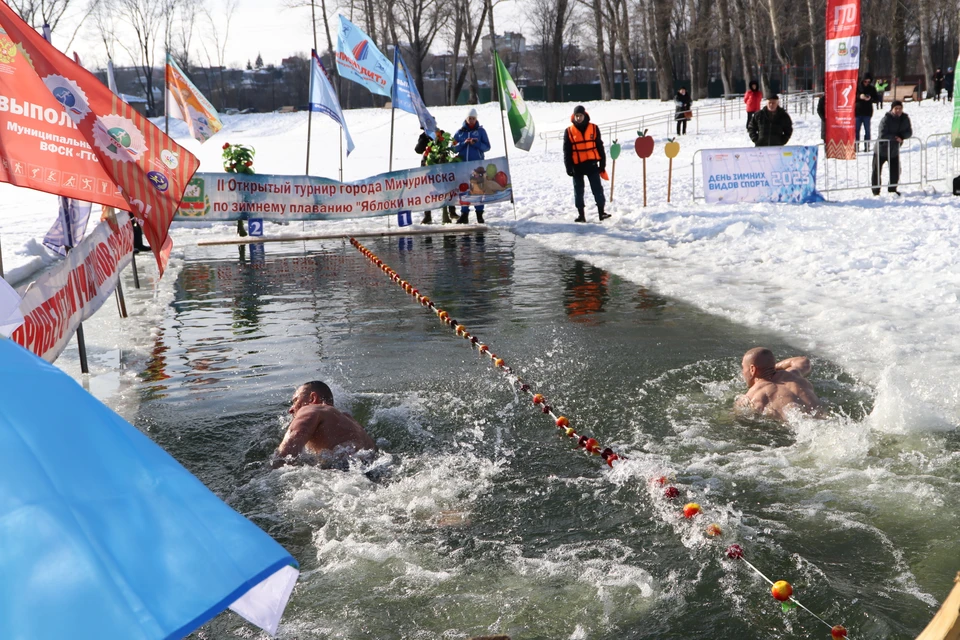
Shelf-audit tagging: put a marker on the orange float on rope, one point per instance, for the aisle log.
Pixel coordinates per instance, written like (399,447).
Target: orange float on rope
(838,632)
(714,530)
(781,590)
(498,362)
(537,398)
(592,445)
(562,422)
(691,509)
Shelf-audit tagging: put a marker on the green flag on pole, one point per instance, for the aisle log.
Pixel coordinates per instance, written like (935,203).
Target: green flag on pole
(955,129)
(521,122)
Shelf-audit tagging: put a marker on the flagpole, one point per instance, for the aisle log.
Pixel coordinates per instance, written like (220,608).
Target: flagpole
(313,23)
(393,103)
(503,126)
(166,94)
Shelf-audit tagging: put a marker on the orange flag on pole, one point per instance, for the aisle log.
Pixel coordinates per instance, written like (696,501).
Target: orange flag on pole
(62,131)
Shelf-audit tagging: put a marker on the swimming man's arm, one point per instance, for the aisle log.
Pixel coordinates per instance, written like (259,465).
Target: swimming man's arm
(798,364)
(299,432)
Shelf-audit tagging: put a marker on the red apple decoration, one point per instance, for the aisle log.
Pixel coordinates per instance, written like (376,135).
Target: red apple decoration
(501,179)
(464,187)
(643,145)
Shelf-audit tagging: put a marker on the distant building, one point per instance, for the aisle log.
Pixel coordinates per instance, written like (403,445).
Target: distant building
(508,42)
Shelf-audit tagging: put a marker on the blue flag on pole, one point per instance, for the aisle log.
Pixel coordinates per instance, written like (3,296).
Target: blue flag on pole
(359,60)
(406,96)
(323,99)
(70,227)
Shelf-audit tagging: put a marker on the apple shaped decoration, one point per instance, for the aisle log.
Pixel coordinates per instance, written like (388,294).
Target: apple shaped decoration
(672,148)
(501,179)
(643,145)
(614,150)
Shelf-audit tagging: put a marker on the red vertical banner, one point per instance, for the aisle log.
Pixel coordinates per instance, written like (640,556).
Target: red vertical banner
(840,79)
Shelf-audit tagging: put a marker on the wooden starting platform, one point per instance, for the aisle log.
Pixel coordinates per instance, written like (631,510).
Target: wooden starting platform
(440,231)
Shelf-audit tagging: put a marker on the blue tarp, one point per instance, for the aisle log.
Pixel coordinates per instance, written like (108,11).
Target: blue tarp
(102,534)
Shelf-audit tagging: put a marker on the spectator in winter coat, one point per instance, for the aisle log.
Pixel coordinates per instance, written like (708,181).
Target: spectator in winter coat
(772,126)
(471,143)
(863,110)
(894,129)
(583,155)
(881,88)
(752,99)
(682,102)
(937,84)
(822,112)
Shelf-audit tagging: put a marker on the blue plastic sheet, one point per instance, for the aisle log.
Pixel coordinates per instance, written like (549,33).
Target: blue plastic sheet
(102,534)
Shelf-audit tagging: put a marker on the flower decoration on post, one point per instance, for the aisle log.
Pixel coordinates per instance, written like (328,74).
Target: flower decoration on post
(238,158)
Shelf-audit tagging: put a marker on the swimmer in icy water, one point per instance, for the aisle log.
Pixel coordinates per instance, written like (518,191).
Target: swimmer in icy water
(774,387)
(322,430)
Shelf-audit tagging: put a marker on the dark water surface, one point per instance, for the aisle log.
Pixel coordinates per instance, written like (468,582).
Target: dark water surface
(488,522)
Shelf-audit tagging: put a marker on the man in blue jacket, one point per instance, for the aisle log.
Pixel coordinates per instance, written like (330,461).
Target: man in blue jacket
(471,143)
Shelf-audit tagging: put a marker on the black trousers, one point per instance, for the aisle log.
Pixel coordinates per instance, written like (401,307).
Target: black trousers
(883,154)
(682,127)
(593,176)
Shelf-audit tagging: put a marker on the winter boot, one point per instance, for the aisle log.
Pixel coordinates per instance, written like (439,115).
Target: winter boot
(580,215)
(240,230)
(479,218)
(427,218)
(138,246)
(446,215)
(603,216)
(464,218)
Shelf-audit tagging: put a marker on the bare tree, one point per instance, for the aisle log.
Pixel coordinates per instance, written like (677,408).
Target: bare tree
(213,46)
(419,21)
(550,19)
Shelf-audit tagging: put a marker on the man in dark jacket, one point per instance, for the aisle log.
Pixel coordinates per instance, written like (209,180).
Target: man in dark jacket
(682,102)
(894,129)
(471,143)
(937,84)
(863,110)
(583,155)
(772,126)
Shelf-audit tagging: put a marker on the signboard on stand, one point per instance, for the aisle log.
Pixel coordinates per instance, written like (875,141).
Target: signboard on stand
(761,174)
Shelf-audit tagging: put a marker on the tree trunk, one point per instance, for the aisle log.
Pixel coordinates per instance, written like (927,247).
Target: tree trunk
(661,33)
(778,42)
(605,86)
(623,38)
(924,14)
(726,55)
(814,47)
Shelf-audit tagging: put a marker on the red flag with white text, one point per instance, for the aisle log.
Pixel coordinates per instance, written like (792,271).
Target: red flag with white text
(64,132)
(840,79)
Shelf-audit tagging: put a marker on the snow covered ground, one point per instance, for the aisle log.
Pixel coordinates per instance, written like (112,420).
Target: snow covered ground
(871,283)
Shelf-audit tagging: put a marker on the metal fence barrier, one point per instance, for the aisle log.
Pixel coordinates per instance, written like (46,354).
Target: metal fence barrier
(941,162)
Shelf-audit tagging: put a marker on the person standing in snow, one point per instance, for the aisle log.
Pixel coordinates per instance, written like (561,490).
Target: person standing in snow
(471,143)
(682,102)
(863,109)
(949,79)
(752,99)
(894,129)
(937,84)
(583,155)
(772,126)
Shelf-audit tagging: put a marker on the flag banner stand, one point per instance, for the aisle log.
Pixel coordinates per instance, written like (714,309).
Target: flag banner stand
(841,77)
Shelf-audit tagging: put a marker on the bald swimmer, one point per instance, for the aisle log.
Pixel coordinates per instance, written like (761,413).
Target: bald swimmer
(774,387)
(320,429)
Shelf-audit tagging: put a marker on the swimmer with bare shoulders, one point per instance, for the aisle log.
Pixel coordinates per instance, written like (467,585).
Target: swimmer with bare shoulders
(775,387)
(319,428)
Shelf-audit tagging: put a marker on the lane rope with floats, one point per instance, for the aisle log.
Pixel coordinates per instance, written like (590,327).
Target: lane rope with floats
(781,590)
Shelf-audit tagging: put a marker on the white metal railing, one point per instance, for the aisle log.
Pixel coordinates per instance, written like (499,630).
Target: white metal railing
(941,161)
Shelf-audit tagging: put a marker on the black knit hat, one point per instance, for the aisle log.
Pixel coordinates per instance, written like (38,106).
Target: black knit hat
(771,96)
(579,109)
